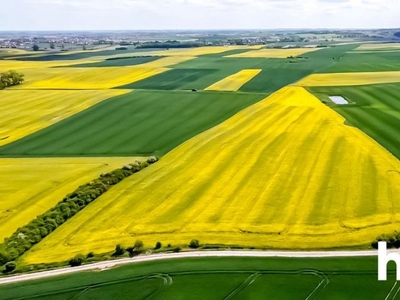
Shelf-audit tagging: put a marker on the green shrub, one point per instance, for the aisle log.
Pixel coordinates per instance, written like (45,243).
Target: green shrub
(10,266)
(194,244)
(158,246)
(76,261)
(119,250)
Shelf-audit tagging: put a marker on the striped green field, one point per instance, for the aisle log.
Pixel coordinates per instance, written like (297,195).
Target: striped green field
(375,109)
(151,122)
(218,278)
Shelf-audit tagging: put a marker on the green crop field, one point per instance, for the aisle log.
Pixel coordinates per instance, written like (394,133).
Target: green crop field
(77,55)
(208,69)
(359,61)
(141,122)
(219,278)
(375,109)
(119,62)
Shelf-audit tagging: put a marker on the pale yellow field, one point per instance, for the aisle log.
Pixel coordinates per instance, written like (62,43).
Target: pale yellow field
(43,75)
(346,79)
(200,50)
(85,78)
(275,53)
(30,186)
(25,112)
(384,46)
(235,81)
(284,173)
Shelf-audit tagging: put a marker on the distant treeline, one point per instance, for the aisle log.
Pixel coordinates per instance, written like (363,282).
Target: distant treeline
(10,78)
(27,236)
(169,44)
(397,34)
(129,57)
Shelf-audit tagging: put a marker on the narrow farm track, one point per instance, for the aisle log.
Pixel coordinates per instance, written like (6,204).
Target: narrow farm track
(283,173)
(145,258)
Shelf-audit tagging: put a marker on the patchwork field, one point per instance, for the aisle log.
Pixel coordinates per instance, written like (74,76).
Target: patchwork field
(204,71)
(275,53)
(375,109)
(138,123)
(235,81)
(29,187)
(25,112)
(278,174)
(382,46)
(239,165)
(217,278)
(348,79)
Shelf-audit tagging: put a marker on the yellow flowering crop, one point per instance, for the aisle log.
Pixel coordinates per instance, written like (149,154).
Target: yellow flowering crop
(235,81)
(285,172)
(346,79)
(25,112)
(274,53)
(384,46)
(31,186)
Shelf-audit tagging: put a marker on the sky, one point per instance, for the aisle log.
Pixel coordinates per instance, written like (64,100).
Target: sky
(196,14)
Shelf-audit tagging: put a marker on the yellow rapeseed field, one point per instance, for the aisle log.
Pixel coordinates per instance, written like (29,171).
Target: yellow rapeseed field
(346,79)
(274,53)
(43,75)
(283,173)
(30,186)
(25,112)
(85,78)
(235,81)
(383,46)
(200,50)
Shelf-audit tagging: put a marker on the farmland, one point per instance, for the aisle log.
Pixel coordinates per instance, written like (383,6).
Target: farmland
(252,151)
(375,109)
(275,53)
(29,187)
(235,81)
(141,122)
(246,187)
(30,111)
(346,79)
(217,278)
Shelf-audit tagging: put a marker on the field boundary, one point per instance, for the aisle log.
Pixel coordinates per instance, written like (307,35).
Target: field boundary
(154,257)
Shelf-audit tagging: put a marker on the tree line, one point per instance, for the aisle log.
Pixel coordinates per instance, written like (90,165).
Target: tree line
(10,78)
(32,233)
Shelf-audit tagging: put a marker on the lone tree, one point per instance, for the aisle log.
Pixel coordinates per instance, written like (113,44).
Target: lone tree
(10,78)
(76,261)
(35,48)
(194,244)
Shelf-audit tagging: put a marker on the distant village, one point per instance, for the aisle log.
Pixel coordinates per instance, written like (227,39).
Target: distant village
(65,41)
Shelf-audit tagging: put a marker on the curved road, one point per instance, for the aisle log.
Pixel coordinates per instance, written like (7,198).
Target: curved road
(151,257)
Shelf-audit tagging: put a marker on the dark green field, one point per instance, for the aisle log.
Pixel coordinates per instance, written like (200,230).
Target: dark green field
(219,278)
(373,61)
(79,55)
(119,62)
(376,110)
(208,69)
(138,123)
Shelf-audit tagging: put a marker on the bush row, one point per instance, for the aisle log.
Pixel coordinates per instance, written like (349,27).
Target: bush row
(10,78)
(392,240)
(27,236)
